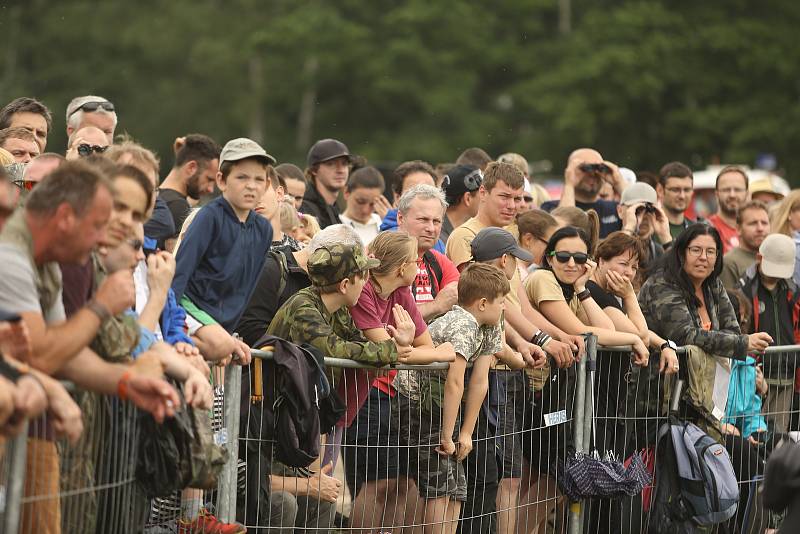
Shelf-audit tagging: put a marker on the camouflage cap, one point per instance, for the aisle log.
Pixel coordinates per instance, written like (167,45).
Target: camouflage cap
(332,264)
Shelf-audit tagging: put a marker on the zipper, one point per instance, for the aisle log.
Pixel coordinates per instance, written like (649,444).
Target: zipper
(706,474)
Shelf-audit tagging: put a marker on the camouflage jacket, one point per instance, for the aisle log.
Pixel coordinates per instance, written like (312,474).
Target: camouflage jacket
(118,336)
(304,319)
(669,314)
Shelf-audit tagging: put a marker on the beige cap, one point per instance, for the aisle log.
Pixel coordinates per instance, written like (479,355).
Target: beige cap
(241,148)
(638,193)
(777,256)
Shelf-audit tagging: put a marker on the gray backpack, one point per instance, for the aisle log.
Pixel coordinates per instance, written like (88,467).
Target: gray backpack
(706,478)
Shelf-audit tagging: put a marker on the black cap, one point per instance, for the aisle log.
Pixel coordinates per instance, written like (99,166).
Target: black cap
(326,150)
(491,243)
(461,179)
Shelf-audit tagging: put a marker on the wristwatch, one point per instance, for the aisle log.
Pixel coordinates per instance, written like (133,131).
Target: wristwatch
(668,344)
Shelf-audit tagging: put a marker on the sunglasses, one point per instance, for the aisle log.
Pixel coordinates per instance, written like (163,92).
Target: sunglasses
(472,181)
(94,106)
(86,150)
(563,257)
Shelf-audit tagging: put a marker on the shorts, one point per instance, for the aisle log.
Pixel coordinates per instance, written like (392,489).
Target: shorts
(510,423)
(436,476)
(371,448)
(195,317)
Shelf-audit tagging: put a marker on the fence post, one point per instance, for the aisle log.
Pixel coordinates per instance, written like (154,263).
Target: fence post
(226,498)
(575,508)
(16,481)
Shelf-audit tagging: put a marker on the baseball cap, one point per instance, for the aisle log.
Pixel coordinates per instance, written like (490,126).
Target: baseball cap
(777,256)
(332,264)
(241,148)
(79,102)
(491,243)
(461,179)
(637,193)
(326,150)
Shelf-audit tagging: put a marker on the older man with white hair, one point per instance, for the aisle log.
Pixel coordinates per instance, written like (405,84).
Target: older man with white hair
(94,111)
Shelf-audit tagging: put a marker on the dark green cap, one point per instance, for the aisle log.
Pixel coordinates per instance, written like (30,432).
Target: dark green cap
(332,264)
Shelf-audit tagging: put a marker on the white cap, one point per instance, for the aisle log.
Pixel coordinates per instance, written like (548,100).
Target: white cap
(777,256)
(639,192)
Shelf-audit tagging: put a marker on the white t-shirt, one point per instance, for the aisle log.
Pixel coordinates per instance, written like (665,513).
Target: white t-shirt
(18,291)
(366,232)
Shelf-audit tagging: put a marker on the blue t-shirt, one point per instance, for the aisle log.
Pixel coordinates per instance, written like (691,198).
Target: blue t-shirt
(606,210)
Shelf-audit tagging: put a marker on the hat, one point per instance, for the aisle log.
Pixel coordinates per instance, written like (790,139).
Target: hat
(628,175)
(461,179)
(326,150)
(491,243)
(517,160)
(81,101)
(638,193)
(766,185)
(332,264)
(777,256)
(241,148)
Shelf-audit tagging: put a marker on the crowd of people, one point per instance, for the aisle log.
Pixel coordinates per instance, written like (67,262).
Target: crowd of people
(132,285)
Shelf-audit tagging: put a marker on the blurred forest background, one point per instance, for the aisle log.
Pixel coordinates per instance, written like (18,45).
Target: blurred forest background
(643,81)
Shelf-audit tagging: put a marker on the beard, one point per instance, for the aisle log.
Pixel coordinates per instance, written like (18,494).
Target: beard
(193,186)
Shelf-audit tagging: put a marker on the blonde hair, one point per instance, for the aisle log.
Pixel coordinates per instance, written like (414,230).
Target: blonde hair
(140,156)
(310,224)
(289,218)
(6,157)
(393,249)
(779,216)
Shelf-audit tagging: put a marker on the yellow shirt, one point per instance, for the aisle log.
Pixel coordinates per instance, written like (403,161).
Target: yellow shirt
(542,286)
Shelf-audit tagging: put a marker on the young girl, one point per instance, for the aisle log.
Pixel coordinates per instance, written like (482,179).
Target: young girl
(374,466)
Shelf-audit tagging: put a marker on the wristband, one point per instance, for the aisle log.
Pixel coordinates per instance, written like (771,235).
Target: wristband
(122,385)
(584,295)
(99,310)
(541,339)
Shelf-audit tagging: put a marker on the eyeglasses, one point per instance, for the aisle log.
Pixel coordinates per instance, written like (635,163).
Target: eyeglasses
(94,106)
(86,150)
(698,251)
(472,181)
(564,257)
(676,190)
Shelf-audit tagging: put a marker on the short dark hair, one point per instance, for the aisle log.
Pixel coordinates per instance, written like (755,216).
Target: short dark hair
(752,205)
(135,174)
(674,169)
(366,177)
(16,133)
(477,157)
(733,168)
(24,104)
(617,244)
(289,170)
(73,182)
(676,255)
(197,147)
(481,281)
(410,167)
(226,167)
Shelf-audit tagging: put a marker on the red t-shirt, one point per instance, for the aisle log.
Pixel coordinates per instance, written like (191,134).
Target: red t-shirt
(426,280)
(729,234)
(371,311)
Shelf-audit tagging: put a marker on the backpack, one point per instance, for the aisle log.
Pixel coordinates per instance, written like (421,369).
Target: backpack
(434,273)
(695,480)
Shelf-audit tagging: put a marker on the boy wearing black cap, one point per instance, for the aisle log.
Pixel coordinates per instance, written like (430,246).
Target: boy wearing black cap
(329,163)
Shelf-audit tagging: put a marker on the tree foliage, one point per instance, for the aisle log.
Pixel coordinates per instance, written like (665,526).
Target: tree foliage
(643,81)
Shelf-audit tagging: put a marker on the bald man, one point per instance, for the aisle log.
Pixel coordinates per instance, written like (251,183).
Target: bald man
(586,172)
(92,137)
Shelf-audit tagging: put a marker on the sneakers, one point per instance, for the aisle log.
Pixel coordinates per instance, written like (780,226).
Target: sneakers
(206,523)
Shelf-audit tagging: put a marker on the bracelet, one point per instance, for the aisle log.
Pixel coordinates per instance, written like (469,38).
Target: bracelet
(583,295)
(541,339)
(122,385)
(99,310)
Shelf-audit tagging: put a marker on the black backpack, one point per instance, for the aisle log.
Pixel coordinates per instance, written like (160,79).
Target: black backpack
(299,400)
(434,273)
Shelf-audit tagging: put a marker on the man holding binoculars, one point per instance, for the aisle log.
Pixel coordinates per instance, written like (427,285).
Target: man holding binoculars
(586,172)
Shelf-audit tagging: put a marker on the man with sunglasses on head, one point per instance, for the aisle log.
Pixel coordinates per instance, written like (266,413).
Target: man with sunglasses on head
(586,172)
(460,186)
(85,142)
(92,111)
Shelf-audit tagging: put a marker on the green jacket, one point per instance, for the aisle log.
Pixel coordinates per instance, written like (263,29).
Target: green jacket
(304,319)
(669,314)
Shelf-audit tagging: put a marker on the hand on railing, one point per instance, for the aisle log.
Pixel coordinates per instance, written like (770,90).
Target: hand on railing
(241,354)
(641,355)
(64,412)
(464,447)
(563,354)
(197,390)
(758,342)
(534,356)
(152,395)
(446,447)
(668,362)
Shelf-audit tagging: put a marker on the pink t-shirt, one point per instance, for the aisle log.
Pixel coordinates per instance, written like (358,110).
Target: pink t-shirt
(729,234)
(371,311)
(425,280)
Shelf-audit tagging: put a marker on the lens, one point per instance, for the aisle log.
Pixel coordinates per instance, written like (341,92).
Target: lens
(84,150)
(579,257)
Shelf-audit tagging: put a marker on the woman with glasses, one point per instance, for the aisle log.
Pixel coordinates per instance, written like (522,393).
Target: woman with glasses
(685,302)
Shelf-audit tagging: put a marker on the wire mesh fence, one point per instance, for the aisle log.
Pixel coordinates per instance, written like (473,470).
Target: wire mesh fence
(380,466)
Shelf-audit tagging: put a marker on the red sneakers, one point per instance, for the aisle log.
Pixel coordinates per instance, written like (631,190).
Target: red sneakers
(206,523)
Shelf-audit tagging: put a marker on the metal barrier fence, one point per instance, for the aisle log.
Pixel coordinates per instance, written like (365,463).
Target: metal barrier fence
(379,471)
